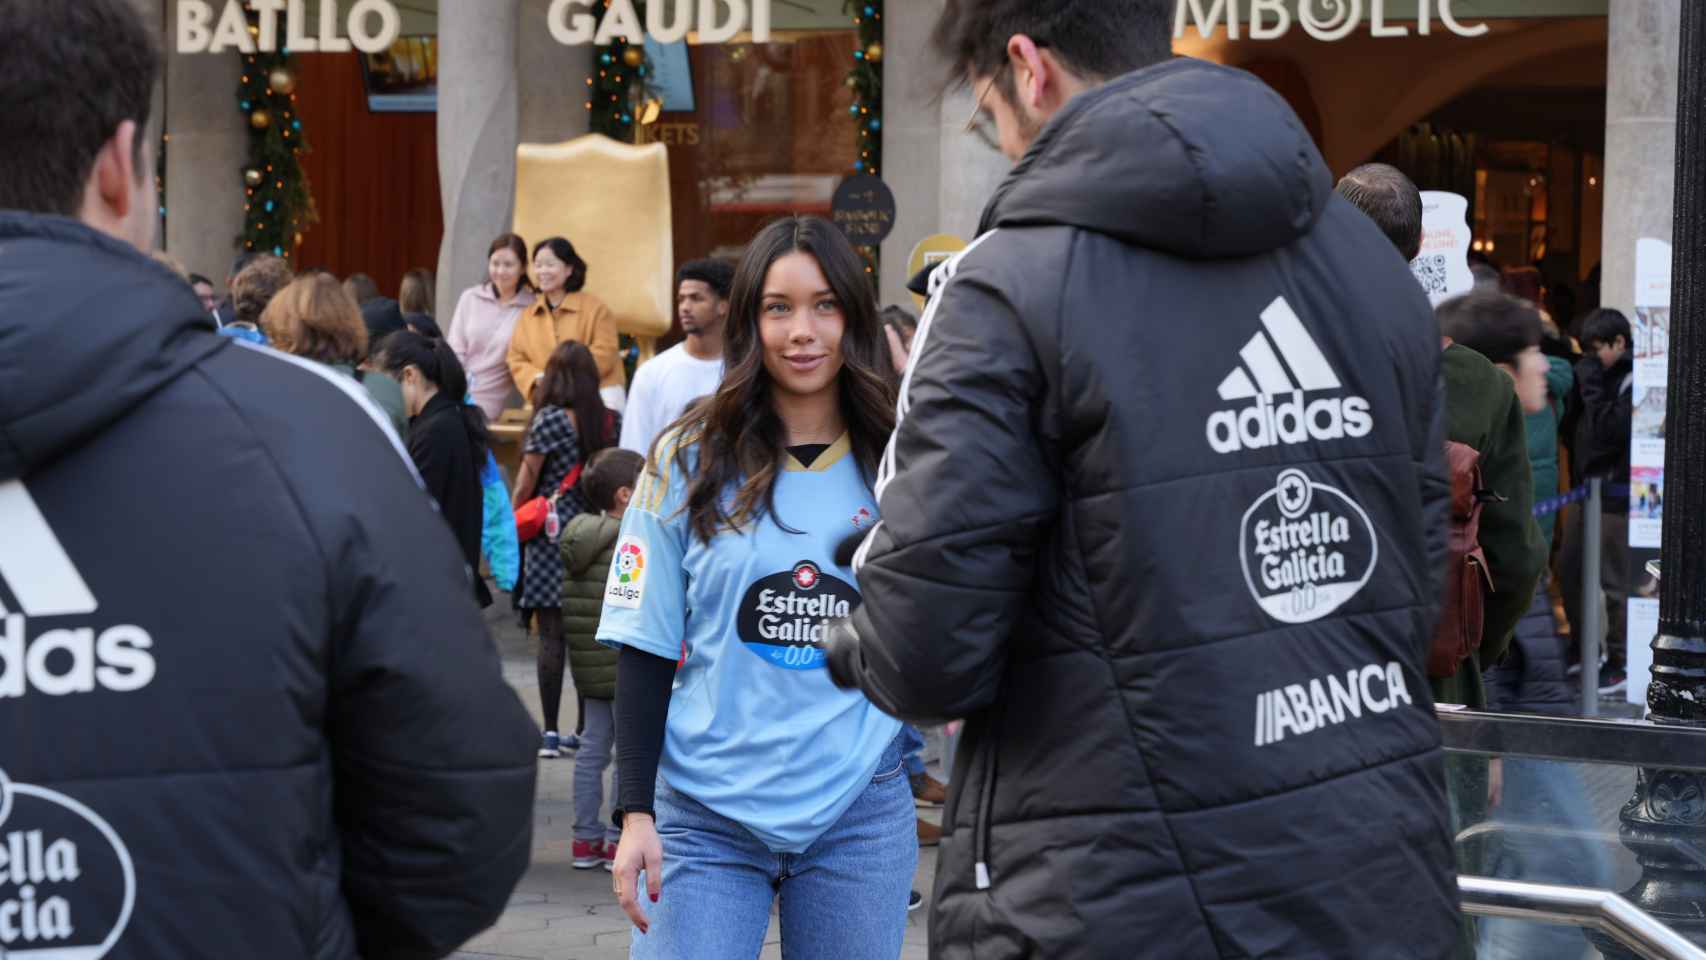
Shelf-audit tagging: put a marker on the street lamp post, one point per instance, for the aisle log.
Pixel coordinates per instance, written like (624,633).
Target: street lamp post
(1664,823)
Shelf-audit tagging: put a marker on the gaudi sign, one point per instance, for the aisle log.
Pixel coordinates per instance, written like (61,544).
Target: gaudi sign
(1321,19)
(371,26)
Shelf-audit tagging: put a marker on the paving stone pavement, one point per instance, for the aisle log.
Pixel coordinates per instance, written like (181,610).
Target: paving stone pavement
(560,913)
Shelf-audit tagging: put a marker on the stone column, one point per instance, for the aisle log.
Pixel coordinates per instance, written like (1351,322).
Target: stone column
(912,135)
(478,126)
(204,157)
(970,169)
(1640,138)
(551,79)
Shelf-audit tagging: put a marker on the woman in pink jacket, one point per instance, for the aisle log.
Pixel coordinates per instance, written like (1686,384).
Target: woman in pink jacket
(485,319)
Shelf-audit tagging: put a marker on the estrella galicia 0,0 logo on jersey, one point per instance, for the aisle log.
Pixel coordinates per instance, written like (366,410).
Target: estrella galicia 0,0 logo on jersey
(781,616)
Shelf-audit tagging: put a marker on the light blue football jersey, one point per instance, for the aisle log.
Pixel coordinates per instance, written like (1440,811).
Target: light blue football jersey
(756,732)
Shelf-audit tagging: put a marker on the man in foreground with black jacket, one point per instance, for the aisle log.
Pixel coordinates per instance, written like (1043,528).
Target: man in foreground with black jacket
(249,707)
(1164,521)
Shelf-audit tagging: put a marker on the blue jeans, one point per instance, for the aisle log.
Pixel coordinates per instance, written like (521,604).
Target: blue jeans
(1545,794)
(912,749)
(844,897)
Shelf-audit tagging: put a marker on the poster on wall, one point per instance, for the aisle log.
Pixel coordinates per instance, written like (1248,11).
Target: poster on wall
(1651,347)
(1442,267)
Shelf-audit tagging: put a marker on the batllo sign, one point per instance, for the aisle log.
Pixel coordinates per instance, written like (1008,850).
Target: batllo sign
(371,26)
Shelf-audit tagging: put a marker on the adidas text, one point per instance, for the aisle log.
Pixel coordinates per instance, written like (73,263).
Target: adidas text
(1270,424)
(73,660)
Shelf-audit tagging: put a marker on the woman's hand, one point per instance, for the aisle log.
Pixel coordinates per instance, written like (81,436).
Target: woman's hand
(639,850)
(899,352)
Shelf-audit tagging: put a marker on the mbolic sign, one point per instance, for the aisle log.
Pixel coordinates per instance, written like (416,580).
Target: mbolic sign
(1327,20)
(371,26)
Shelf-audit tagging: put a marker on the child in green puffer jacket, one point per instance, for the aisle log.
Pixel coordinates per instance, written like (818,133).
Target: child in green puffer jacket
(588,545)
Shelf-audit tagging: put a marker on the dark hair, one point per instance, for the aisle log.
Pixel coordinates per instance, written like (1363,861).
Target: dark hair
(361,288)
(719,275)
(70,73)
(1391,200)
(571,381)
(609,471)
(1096,39)
(900,317)
(565,251)
(196,278)
(436,362)
(1524,283)
(1493,324)
(740,438)
(514,244)
(415,293)
(380,316)
(256,285)
(1605,325)
(423,324)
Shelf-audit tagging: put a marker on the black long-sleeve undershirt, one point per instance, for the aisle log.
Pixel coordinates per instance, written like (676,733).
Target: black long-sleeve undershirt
(643,684)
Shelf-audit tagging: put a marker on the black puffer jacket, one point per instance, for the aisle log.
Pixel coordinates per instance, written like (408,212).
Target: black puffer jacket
(244,687)
(1163,519)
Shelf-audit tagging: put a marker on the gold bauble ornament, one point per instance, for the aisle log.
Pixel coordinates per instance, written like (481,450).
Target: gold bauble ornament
(260,119)
(252,177)
(874,53)
(633,56)
(282,82)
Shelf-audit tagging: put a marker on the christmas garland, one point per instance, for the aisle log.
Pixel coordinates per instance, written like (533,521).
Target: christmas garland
(278,204)
(866,80)
(617,85)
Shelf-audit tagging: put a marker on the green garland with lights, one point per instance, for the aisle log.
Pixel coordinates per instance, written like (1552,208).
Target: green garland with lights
(619,70)
(866,80)
(277,202)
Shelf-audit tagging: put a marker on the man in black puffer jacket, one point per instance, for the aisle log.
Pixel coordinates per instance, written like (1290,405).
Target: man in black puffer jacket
(1164,520)
(249,708)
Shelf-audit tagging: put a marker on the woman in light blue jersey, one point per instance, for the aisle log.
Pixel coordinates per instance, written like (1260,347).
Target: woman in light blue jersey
(746,775)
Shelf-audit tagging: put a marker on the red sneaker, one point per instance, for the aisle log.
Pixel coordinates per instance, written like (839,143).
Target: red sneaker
(610,857)
(589,854)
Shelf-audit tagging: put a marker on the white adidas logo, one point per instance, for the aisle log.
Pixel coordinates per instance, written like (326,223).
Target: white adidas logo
(45,583)
(1279,414)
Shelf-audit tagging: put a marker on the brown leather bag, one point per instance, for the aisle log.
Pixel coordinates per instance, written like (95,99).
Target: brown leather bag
(1467,581)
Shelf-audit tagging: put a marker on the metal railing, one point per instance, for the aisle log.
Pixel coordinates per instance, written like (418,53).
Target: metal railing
(1628,743)
(1580,907)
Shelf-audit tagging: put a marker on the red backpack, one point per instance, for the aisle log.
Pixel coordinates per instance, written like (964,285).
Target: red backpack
(1467,581)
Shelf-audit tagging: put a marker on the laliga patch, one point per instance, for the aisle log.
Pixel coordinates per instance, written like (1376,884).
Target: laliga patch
(1306,548)
(781,617)
(627,584)
(67,884)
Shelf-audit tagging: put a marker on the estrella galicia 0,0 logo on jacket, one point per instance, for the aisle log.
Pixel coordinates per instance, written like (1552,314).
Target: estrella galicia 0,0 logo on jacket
(44,583)
(782,615)
(1282,412)
(1306,549)
(67,883)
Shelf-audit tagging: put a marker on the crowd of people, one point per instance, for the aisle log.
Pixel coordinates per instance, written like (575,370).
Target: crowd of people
(1189,592)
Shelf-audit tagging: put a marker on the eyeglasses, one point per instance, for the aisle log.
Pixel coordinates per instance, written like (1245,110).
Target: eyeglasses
(980,125)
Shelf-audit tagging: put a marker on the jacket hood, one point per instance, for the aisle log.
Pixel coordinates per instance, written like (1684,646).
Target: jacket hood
(1187,157)
(589,535)
(89,327)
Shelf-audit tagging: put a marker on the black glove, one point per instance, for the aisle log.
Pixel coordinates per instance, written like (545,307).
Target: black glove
(841,650)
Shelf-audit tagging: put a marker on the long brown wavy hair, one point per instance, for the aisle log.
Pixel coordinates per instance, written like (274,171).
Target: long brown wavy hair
(740,439)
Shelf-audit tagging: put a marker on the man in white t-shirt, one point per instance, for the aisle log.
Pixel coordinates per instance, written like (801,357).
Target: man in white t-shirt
(663,387)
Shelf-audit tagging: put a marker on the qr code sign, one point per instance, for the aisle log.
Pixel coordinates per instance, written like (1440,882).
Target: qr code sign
(1430,272)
